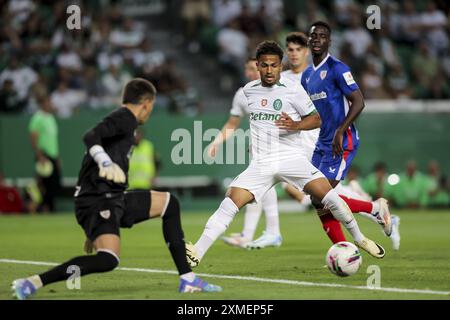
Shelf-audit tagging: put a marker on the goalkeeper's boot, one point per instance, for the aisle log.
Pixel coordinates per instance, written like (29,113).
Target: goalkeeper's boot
(372,248)
(22,289)
(395,235)
(266,240)
(198,285)
(383,217)
(191,255)
(236,240)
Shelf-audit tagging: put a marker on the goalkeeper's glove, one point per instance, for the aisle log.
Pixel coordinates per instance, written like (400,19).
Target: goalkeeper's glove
(107,169)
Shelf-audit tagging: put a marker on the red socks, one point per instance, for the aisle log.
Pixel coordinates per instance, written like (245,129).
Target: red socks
(358,205)
(332,228)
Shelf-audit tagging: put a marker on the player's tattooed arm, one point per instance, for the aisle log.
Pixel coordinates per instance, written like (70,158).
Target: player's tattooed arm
(356,105)
(309,122)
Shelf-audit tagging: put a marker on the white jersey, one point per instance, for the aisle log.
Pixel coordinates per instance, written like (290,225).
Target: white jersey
(239,107)
(310,137)
(264,106)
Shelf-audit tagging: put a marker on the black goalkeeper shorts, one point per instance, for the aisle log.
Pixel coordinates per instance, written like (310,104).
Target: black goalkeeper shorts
(107,213)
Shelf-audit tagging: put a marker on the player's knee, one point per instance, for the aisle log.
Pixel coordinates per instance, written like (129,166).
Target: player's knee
(172,209)
(317,204)
(107,261)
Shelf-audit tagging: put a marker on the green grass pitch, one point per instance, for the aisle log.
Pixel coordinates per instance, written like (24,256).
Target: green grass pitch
(423,261)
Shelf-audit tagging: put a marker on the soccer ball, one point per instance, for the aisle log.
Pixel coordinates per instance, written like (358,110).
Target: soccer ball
(343,259)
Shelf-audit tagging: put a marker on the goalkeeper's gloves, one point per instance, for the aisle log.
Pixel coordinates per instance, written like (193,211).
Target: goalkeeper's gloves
(107,169)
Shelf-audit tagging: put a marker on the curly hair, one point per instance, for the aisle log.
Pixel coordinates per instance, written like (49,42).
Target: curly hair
(269,47)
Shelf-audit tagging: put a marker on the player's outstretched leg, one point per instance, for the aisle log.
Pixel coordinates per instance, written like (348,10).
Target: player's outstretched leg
(321,189)
(271,236)
(174,237)
(218,223)
(377,210)
(143,205)
(105,260)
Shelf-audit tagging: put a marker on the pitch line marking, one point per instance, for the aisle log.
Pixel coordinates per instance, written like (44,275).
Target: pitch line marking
(256,279)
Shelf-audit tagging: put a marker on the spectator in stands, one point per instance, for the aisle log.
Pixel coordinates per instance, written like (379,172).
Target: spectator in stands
(128,36)
(441,197)
(424,66)
(114,81)
(66,101)
(398,83)
(357,37)
(433,23)
(144,163)
(225,11)
(375,184)
(195,14)
(9,99)
(409,23)
(412,186)
(146,57)
(43,130)
(23,77)
(69,59)
(343,10)
(249,23)
(233,45)
(372,83)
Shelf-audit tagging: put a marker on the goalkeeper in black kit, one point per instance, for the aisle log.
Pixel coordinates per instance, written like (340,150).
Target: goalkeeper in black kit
(102,206)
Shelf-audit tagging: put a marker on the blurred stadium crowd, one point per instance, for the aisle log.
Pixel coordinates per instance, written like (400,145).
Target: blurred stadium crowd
(77,68)
(41,60)
(407,58)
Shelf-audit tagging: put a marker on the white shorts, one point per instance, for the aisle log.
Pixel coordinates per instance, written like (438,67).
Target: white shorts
(259,177)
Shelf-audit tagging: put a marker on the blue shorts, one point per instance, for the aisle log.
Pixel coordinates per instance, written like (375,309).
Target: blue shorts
(333,168)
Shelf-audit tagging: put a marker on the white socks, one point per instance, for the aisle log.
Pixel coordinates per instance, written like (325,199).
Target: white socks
(216,225)
(252,214)
(190,276)
(342,213)
(36,281)
(270,206)
(375,207)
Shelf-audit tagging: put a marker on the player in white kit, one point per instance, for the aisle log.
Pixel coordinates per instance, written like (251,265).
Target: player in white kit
(297,54)
(269,203)
(280,110)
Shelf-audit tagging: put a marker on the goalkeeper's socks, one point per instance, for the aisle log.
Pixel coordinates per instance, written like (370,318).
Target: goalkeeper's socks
(189,277)
(36,281)
(103,261)
(216,225)
(174,236)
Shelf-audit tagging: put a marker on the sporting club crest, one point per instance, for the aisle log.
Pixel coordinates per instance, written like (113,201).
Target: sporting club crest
(323,74)
(277,104)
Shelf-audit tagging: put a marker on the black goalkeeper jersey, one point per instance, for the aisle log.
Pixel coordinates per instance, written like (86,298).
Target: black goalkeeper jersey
(115,133)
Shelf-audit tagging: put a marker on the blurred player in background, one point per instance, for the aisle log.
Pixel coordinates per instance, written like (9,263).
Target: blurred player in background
(43,130)
(339,101)
(279,111)
(269,202)
(144,163)
(102,206)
